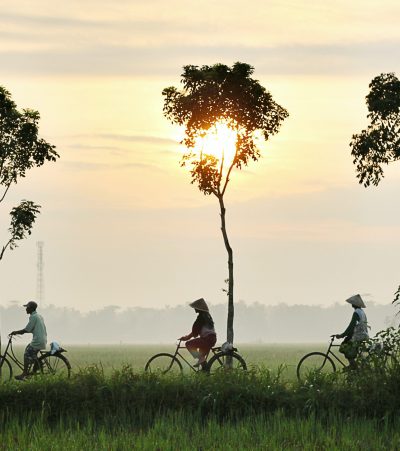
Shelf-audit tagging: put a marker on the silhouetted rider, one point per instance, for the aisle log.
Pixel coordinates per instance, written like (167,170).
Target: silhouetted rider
(37,328)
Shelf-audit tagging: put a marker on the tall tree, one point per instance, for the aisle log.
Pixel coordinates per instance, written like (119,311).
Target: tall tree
(20,150)
(221,97)
(379,144)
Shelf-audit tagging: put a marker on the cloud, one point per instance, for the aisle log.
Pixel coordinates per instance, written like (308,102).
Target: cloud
(93,147)
(118,138)
(145,25)
(92,166)
(108,60)
(136,138)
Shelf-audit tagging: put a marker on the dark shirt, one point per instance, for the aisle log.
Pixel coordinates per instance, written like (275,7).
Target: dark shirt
(348,333)
(202,320)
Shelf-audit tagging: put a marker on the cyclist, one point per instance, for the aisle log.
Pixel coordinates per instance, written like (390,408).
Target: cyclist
(356,332)
(37,328)
(203,328)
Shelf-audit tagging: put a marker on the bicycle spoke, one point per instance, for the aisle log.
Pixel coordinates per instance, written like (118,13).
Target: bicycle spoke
(55,365)
(223,362)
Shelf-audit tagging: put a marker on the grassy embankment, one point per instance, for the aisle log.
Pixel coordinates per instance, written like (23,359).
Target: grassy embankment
(232,410)
(260,409)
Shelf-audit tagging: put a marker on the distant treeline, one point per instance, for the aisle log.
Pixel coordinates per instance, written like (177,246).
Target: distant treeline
(254,323)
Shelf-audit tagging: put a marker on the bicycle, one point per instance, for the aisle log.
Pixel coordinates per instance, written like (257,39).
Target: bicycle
(46,363)
(164,362)
(370,355)
(319,361)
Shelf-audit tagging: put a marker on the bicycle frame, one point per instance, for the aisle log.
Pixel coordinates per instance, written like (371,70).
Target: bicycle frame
(329,352)
(9,353)
(177,353)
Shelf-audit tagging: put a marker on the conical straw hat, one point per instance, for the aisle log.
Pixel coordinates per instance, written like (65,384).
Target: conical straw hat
(199,304)
(357,301)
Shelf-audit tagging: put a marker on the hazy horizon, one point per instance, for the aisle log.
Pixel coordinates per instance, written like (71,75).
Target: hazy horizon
(121,222)
(254,323)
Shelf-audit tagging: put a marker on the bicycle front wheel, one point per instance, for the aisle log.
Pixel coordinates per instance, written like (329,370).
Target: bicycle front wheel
(55,365)
(220,362)
(314,362)
(163,363)
(5,370)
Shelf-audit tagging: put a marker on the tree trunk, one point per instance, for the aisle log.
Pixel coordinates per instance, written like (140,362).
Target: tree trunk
(229,328)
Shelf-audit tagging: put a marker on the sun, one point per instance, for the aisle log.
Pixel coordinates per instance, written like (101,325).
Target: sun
(220,142)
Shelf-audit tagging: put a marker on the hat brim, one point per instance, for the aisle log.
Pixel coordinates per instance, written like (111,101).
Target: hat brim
(200,304)
(201,309)
(356,301)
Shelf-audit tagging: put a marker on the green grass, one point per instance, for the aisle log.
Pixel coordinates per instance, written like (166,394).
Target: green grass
(109,405)
(231,394)
(183,431)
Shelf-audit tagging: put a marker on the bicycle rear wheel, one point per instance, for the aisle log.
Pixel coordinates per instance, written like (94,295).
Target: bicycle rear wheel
(218,363)
(55,365)
(5,370)
(314,362)
(163,363)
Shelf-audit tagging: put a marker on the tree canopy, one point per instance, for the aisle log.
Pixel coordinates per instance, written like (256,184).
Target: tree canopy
(20,146)
(21,149)
(379,144)
(221,94)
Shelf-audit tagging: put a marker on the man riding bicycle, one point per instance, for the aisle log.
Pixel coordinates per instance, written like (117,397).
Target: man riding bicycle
(37,328)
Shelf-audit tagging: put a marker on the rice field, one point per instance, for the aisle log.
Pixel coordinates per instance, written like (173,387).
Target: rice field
(111,357)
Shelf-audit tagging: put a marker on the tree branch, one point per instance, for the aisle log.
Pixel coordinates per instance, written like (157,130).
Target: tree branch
(4,248)
(5,192)
(227,176)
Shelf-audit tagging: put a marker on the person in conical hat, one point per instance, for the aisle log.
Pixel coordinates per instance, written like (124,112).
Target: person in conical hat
(202,337)
(356,332)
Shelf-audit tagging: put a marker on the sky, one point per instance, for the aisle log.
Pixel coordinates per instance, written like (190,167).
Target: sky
(121,223)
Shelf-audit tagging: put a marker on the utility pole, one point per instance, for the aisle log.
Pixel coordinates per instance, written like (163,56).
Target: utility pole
(39,277)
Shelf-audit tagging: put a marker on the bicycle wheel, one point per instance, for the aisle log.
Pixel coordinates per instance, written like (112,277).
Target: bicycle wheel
(5,370)
(314,362)
(218,363)
(54,365)
(163,363)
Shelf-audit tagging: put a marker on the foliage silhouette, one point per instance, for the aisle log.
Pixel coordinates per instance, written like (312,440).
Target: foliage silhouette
(220,94)
(21,149)
(22,219)
(379,144)
(396,299)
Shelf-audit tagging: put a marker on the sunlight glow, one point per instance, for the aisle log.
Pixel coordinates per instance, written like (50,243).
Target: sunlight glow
(220,142)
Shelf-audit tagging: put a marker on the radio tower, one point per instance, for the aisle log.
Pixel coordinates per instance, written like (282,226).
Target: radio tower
(39,279)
